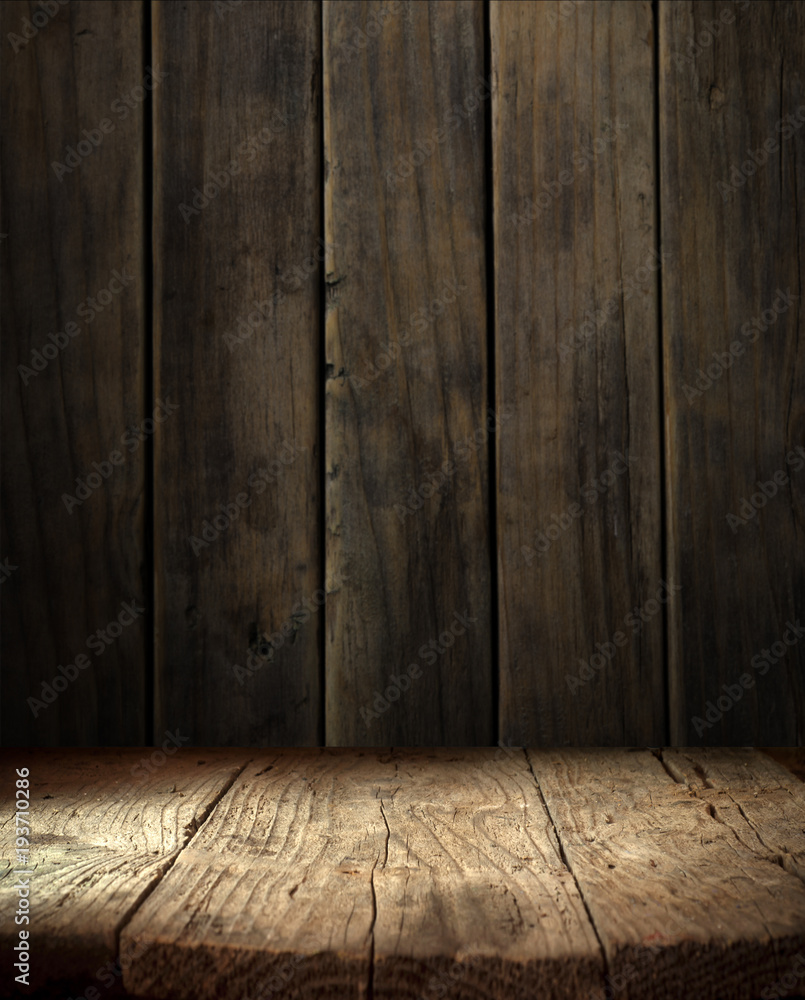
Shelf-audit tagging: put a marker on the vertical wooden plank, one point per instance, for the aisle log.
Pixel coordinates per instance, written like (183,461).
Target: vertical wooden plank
(73,374)
(237,289)
(576,348)
(730,78)
(406,393)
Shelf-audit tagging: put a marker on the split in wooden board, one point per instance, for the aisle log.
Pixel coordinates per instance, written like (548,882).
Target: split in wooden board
(357,873)
(416,873)
(482,872)
(683,903)
(104,830)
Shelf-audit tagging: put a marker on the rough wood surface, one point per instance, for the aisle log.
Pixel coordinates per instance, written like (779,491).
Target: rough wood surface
(473,899)
(370,874)
(745,787)
(104,829)
(413,873)
(69,222)
(579,531)
(734,420)
(407,519)
(681,905)
(237,347)
(277,884)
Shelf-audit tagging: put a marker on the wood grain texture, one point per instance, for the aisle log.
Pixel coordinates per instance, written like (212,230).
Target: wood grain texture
(745,788)
(413,873)
(473,899)
(275,891)
(374,874)
(69,223)
(104,829)
(733,420)
(237,347)
(681,905)
(407,519)
(576,349)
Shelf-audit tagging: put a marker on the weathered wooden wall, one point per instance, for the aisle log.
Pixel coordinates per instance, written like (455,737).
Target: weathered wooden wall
(734,365)
(454,352)
(576,348)
(407,520)
(74,375)
(237,182)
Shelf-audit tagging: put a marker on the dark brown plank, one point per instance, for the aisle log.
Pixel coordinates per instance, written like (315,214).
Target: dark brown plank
(407,384)
(578,465)
(681,905)
(73,374)
(237,347)
(733,393)
(104,827)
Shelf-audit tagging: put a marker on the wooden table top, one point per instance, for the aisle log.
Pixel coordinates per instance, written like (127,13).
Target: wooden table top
(421,873)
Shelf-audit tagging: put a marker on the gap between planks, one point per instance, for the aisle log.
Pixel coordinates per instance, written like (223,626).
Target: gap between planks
(622,948)
(567,863)
(195,825)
